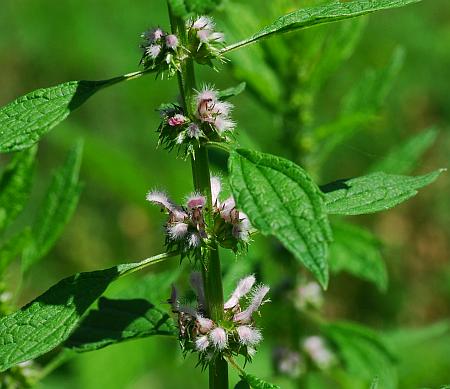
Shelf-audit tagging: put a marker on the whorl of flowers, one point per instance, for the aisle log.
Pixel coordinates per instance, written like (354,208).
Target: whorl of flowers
(204,42)
(235,334)
(161,51)
(210,121)
(186,229)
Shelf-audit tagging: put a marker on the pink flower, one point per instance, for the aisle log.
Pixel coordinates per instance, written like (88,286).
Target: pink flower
(194,240)
(205,324)
(249,336)
(216,187)
(153,51)
(196,200)
(177,120)
(218,338)
(160,198)
(203,23)
(172,41)
(202,343)
(243,287)
(257,300)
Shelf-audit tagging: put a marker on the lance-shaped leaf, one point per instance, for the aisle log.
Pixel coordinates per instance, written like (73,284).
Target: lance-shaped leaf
(356,251)
(59,205)
(49,320)
(231,92)
(363,352)
(373,193)
(404,158)
(255,382)
(25,120)
(15,186)
(139,311)
(280,199)
(327,13)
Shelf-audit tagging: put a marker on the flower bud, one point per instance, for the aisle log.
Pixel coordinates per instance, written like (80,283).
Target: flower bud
(172,41)
(202,343)
(257,300)
(243,287)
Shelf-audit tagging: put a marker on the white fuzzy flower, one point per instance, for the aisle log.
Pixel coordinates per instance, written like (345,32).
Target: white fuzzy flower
(218,338)
(153,51)
(259,294)
(223,124)
(243,287)
(194,240)
(227,206)
(241,229)
(205,324)
(216,187)
(201,343)
(160,198)
(309,294)
(193,131)
(217,37)
(203,23)
(177,231)
(249,336)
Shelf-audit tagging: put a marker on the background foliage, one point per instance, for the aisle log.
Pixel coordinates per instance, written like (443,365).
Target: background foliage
(44,43)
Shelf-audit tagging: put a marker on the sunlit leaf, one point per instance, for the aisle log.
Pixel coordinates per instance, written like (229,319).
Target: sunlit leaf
(373,193)
(50,319)
(25,120)
(332,12)
(281,200)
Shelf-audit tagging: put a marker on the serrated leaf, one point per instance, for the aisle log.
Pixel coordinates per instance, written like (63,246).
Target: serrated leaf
(257,383)
(356,251)
(328,13)
(231,92)
(15,185)
(373,193)
(139,311)
(25,120)
(363,352)
(404,158)
(280,199)
(12,248)
(49,320)
(59,205)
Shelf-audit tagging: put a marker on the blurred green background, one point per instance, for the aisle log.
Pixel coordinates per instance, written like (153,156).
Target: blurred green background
(44,43)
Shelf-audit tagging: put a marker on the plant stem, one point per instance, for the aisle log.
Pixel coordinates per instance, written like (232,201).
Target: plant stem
(211,269)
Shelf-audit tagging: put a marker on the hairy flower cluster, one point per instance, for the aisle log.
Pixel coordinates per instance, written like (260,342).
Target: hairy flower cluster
(210,121)
(308,296)
(204,42)
(234,334)
(186,229)
(162,52)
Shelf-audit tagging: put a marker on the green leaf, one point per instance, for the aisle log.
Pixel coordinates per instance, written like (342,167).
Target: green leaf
(12,248)
(49,320)
(257,383)
(356,251)
(335,11)
(363,353)
(119,320)
(25,120)
(59,205)
(231,92)
(404,158)
(280,199)
(136,312)
(178,7)
(373,193)
(15,186)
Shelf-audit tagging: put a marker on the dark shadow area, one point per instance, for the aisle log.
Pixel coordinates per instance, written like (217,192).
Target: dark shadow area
(335,185)
(118,320)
